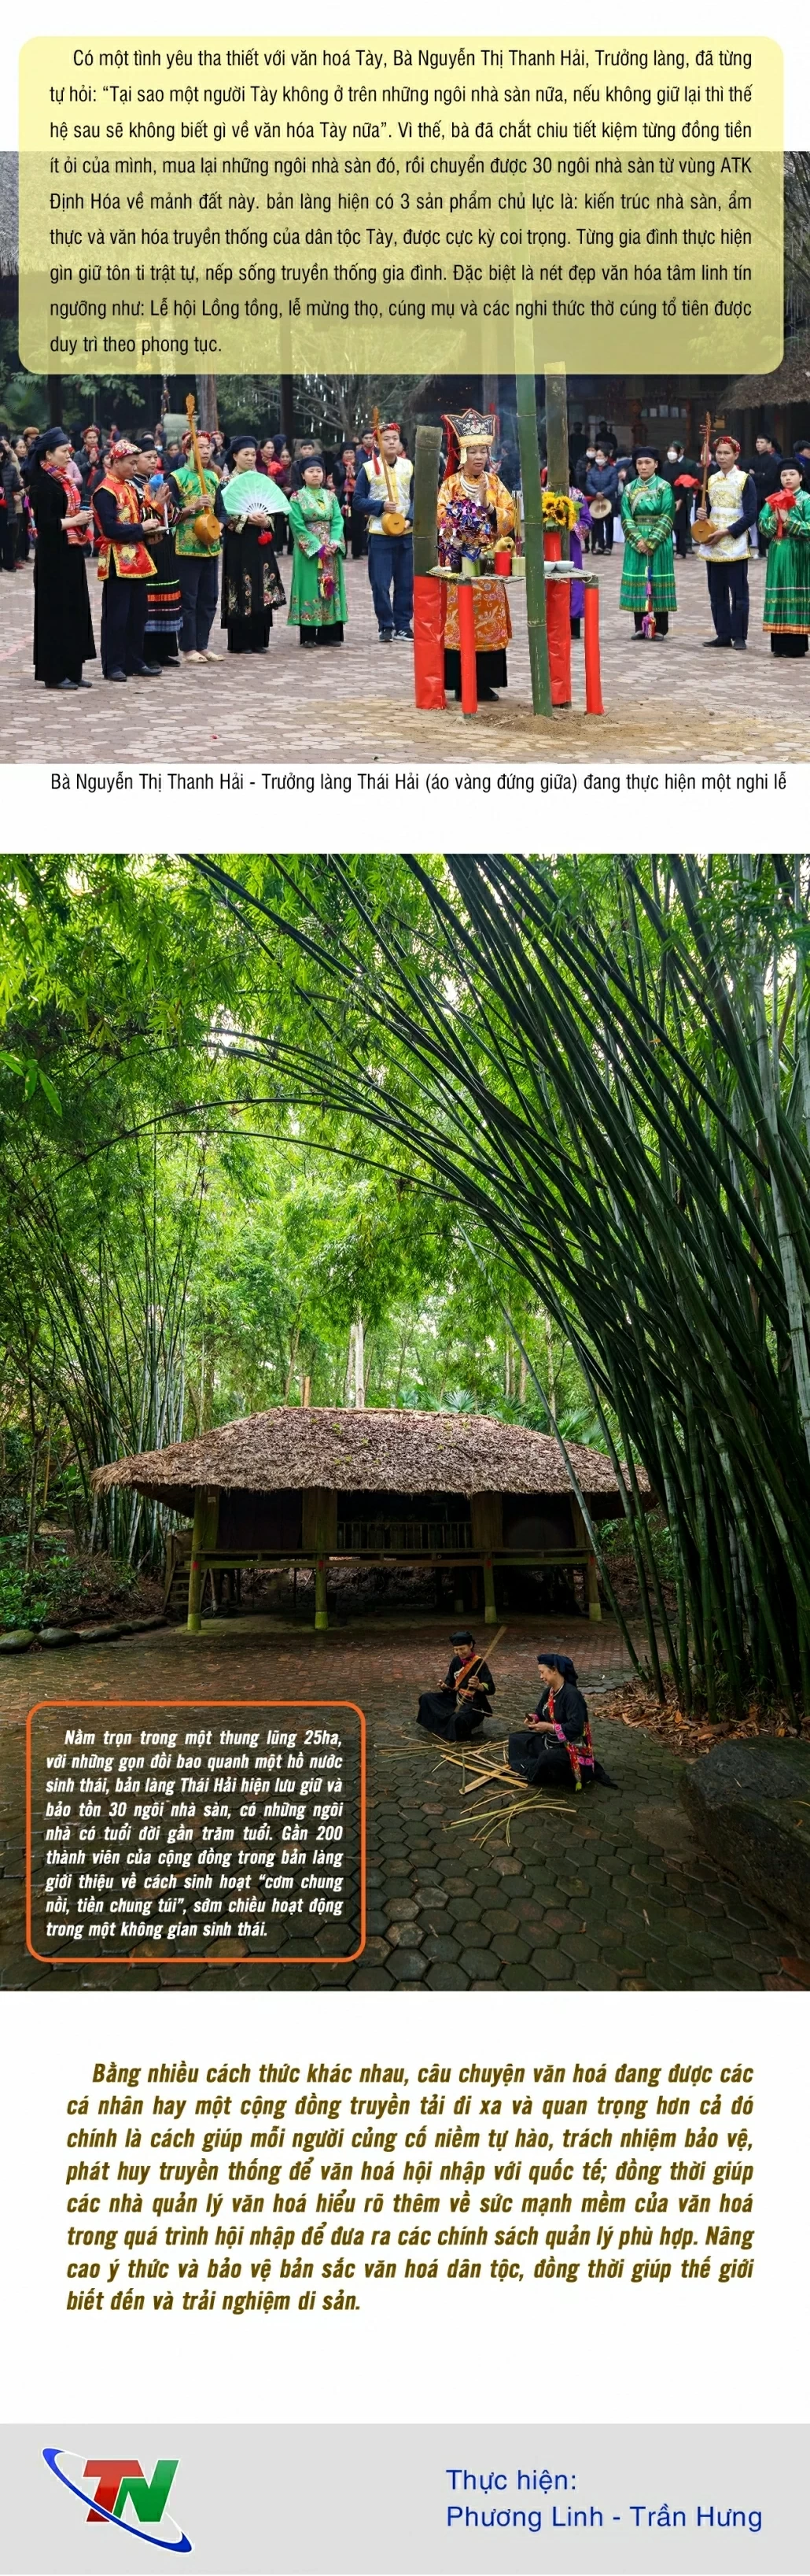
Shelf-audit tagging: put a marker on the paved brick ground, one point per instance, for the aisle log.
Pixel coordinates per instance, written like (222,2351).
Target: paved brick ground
(606,1890)
(665,700)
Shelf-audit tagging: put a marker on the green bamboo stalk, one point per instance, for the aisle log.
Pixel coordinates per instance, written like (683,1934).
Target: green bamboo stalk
(425,485)
(597,1121)
(533,543)
(559,473)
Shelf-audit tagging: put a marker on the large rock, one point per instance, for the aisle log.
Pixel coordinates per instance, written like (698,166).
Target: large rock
(56,1637)
(15,1640)
(750,1805)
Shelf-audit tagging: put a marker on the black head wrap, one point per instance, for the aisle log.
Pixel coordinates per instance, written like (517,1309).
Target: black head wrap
(562,1663)
(645,448)
(241,438)
(279,443)
(48,439)
(462,1637)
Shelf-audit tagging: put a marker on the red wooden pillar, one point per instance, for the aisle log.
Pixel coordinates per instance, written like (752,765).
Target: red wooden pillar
(593,667)
(558,624)
(466,639)
(429,606)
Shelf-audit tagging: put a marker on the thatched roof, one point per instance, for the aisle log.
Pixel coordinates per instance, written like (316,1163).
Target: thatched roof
(364,1452)
(788,383)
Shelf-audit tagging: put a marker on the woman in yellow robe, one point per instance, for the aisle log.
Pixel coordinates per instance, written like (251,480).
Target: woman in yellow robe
(480,496)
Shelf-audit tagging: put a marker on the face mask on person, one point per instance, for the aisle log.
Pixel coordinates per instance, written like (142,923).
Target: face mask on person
(672,453)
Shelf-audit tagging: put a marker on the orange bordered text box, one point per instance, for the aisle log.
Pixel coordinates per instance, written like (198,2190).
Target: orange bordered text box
(153,1794)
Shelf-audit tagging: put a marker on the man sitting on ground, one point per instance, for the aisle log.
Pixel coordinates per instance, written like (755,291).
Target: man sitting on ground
(460,1707)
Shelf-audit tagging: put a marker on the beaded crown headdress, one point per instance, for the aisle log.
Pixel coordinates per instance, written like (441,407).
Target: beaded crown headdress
(467,429)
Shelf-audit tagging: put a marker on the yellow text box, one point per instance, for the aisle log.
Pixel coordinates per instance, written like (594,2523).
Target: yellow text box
(249,205)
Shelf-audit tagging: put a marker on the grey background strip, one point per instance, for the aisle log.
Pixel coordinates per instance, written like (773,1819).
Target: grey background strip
(373,2500)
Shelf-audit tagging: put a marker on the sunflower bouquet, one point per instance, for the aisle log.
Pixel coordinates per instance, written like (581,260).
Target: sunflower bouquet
(559,511)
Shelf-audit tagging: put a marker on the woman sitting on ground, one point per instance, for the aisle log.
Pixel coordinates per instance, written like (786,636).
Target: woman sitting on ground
(556,1749)
(462,1704)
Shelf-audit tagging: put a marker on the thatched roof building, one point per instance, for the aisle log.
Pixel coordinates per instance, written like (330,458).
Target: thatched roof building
(779,401)
(366,1452)
(301,1485)
(787,383)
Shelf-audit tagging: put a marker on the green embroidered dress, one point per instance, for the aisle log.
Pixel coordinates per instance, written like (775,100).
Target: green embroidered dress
(315,516)
(787,578)
(648,513)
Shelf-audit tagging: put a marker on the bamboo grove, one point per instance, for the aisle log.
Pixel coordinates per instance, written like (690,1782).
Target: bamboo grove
(605,1062)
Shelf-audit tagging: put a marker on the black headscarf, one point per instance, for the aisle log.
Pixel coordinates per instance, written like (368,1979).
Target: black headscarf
(562,1663)
(462,1637)
(240,438)
(646,448)
(48,439)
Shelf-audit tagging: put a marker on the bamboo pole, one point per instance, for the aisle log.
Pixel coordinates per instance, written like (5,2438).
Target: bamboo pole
(525,384)
(425,489)
(195,1562)
(557,438)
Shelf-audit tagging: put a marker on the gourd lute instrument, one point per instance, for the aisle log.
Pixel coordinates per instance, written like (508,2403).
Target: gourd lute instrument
(467,1679)
(393,522)
(702,524)
(206,524)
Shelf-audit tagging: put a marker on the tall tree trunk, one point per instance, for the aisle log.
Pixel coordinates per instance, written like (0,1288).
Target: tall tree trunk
(207,402)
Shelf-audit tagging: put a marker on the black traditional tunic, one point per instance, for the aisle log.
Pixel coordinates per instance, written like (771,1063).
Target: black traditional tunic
(444,1714)
(251,582)
(541,1758)
(63,630)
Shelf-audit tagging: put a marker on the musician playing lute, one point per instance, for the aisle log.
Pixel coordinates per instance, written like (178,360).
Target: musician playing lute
(460,1707)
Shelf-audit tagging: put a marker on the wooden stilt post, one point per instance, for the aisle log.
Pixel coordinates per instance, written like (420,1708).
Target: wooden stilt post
(490,1612)
(321,1613)
(525,386)
(591,1569)
(195,1579)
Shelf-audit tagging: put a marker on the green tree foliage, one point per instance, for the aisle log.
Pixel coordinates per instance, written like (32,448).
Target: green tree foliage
(183,1243)
(606,1061)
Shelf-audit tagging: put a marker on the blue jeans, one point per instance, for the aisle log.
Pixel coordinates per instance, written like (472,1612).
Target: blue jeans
(390,560)
(199,592)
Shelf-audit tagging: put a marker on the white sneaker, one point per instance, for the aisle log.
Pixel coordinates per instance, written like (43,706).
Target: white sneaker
(208,657)
(193,657)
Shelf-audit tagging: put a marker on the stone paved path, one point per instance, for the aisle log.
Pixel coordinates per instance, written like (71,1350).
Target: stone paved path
(604,1890)
(663,701)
